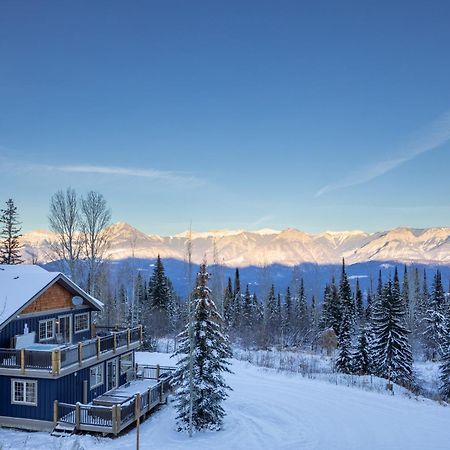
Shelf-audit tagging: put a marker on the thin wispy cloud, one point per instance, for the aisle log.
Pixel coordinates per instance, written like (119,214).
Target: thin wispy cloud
(435,135)
(165,176)
(168,176)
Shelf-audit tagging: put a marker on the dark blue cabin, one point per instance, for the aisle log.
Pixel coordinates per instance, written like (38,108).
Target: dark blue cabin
(50,348)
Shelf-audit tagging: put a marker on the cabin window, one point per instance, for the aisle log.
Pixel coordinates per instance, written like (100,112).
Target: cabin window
(46,329)
(24,392)
(81,322)
(96,376)
(126,363)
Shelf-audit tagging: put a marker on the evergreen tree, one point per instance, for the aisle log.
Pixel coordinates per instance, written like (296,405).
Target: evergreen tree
(326,319)
(9,235)
(359,305)
(336,307)
(391,351)
(406,298)
(199,377)
(287,312)
(270,314)
(435,332)
(236,310)
(302,319)
(369,307)
(228,306)
(314,323)
(344,359)
(361,359)
(445,370)
(159,294)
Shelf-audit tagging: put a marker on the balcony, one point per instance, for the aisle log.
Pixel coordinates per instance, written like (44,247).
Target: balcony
(53,359)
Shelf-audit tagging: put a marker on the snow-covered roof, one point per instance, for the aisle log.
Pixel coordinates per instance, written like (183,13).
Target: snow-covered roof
(19,284)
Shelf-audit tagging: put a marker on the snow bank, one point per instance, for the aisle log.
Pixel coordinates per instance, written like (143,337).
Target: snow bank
(270,410)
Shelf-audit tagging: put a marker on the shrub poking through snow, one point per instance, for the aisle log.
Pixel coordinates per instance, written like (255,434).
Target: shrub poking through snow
(204,349)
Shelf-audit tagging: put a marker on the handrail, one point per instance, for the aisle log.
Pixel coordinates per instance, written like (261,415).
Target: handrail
(112,419)
(67,356)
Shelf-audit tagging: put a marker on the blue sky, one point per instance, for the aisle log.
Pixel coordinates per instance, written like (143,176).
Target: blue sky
(240,114)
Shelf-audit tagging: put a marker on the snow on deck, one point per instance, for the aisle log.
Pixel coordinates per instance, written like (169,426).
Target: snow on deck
(273,411)
(134,387)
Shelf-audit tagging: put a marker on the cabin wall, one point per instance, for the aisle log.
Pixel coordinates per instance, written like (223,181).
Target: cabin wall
(17,326)
(67,389)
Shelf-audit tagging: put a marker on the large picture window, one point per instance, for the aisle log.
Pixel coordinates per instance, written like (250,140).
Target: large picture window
(96,376)
(81,322)
(24,392)
(46,329)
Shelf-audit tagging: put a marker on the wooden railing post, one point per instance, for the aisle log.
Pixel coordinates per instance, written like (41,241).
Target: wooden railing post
(56,362)
(98,347)
(138,417)
(114,342)
(161,393)
(77,415)
(118,417)
(22,360)
(55,413)
(80,354)
(93,330)
(158,371)
(128,338)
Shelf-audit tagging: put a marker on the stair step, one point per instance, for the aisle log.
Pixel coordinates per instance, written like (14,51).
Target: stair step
(63,430)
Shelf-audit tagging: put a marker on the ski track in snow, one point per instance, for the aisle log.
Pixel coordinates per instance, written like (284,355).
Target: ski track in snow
(268,410)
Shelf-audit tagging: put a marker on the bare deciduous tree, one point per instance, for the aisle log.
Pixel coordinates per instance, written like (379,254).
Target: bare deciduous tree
(95,220)
(64,219)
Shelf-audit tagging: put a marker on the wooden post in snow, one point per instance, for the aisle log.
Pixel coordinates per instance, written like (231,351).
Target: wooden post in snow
(138,417)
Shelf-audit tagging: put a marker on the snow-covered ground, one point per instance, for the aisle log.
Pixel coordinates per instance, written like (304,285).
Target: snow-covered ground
(270,410)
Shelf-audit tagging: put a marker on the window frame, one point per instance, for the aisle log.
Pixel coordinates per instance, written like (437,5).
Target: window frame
(46,321)
(24,383)
(102,373)
(123,372)
(76,317)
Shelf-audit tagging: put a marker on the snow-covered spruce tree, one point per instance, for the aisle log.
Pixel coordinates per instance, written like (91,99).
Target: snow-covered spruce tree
(302,316)
(435,323)
(157,318)
(359,305)
(390,349)
(445,371)
(270,316)
(344,358)
(287,316)
(9,235)
(361,358)
(207,389)
(228,304)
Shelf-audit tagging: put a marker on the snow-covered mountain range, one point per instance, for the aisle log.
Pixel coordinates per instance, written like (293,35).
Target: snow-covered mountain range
(289,247)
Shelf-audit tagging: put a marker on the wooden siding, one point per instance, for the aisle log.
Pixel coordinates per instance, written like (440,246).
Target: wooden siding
(68,389)
(55,297)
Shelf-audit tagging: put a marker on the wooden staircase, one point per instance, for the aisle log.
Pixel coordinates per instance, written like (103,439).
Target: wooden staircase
(63,430)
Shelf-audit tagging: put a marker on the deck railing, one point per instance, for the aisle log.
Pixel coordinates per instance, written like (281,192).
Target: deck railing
(60,358)
(113,419)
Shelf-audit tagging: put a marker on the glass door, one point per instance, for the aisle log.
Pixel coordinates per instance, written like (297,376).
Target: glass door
(111,374)
(65,329)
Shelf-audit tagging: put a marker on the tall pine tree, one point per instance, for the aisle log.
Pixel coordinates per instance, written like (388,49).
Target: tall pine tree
(9,235)
(391,350)
(201,387)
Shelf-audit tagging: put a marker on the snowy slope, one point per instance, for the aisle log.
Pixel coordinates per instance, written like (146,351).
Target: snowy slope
(272,411)
(289,247)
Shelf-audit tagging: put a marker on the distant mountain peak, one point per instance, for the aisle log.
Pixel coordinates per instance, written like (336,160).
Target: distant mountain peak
(266,246)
